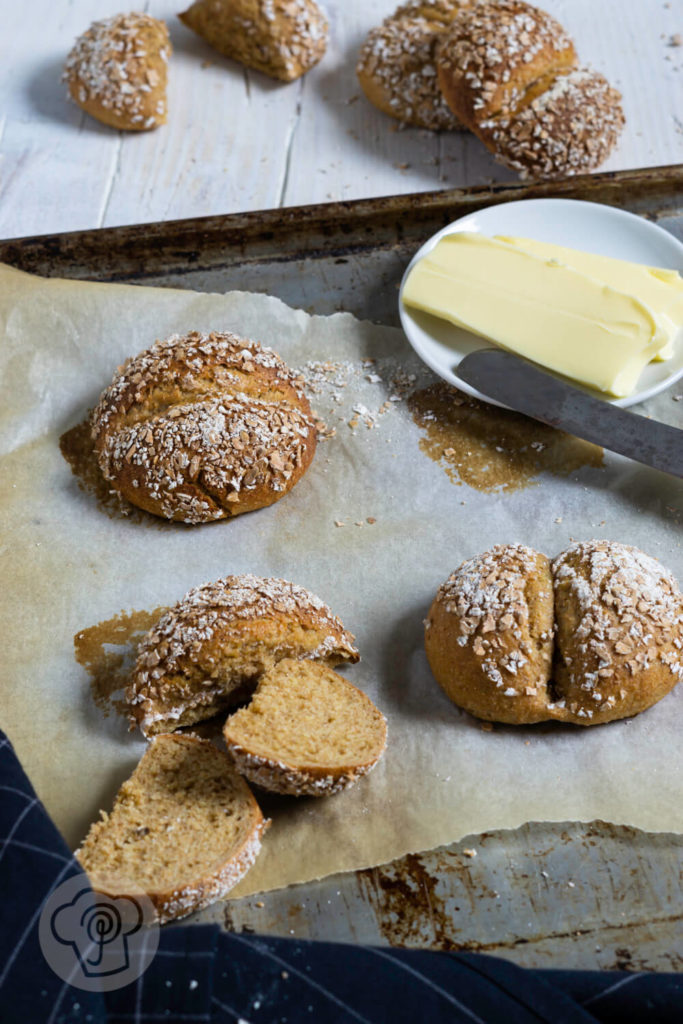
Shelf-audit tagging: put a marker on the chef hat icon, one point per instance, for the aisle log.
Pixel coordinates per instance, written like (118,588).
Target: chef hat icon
(97,927)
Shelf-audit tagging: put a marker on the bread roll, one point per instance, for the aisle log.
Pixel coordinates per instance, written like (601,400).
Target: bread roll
(209,651)
(306,732)
(117,71)
(204,427)
(397,64)
(509,72)
(184,829)
(615,613)
(281,38)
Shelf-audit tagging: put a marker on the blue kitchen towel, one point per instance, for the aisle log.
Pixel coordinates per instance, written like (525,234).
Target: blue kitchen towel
(200,973)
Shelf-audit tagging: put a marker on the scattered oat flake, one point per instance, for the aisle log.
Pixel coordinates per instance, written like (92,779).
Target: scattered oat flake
(338,522)
(469,853)
(558,519)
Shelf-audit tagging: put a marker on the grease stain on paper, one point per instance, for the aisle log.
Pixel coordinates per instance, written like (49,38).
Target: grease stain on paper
(107,652)
(493,449)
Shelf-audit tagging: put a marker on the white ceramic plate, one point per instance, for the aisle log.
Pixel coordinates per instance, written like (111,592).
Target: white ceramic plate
(571,222)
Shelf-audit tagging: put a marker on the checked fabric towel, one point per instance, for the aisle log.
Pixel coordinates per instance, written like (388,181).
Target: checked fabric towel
(200,973)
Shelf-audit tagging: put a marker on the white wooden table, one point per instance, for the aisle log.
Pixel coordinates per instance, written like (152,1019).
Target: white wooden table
(238,141)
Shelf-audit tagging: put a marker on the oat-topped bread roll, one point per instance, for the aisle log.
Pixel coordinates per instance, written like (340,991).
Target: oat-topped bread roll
(489,635)
(509,72)
(619,646)
(204,427)
(282,38)
(184,829)
(397,64)
(306,732)
(117,70)
(209,651)
(593,636)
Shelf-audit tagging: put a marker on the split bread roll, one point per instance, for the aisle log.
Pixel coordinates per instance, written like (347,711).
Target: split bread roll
(397,64)
(593,636)
(204,427)
(281,38)
(184,829)
(117,71)
(208,652)
(509,72)
(306,732)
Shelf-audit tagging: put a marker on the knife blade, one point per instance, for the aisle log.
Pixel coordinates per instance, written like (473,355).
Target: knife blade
(524,387)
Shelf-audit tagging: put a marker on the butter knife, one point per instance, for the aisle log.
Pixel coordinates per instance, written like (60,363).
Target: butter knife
(522,386)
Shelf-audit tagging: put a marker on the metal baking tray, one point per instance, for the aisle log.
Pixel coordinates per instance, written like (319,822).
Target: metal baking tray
(546,895)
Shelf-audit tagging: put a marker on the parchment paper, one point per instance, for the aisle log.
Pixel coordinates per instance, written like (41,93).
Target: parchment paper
(67,566)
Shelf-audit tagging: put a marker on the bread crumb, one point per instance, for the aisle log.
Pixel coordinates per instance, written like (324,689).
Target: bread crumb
(469,853)
(371,520)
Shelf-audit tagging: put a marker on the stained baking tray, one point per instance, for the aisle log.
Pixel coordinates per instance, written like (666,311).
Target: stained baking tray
(547,895)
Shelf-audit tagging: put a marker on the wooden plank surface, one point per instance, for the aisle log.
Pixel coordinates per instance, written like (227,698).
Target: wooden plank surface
(238,141)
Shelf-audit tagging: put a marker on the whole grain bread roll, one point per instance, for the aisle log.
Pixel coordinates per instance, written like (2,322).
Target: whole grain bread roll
(397,64)
(510,72)
(594,636)
(208,652)
(204,427)
(117,71)
(184,829)
(306,732)
(281,38)
(489,635)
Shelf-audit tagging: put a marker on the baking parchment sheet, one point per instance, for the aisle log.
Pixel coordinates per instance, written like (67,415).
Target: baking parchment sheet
(66,566)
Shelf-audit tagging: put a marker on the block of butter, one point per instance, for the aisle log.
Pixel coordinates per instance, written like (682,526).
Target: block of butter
(659,289)
(540,308)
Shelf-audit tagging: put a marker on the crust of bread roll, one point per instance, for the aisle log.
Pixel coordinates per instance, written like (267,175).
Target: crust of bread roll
(284,38)
(489,635)
(204,427)
(619,645)
(117,71)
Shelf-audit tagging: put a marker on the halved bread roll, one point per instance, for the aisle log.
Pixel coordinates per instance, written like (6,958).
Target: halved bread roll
(208,652)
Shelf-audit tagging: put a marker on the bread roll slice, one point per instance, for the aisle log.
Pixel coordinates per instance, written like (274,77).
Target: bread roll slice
(184,829)
(306,732)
